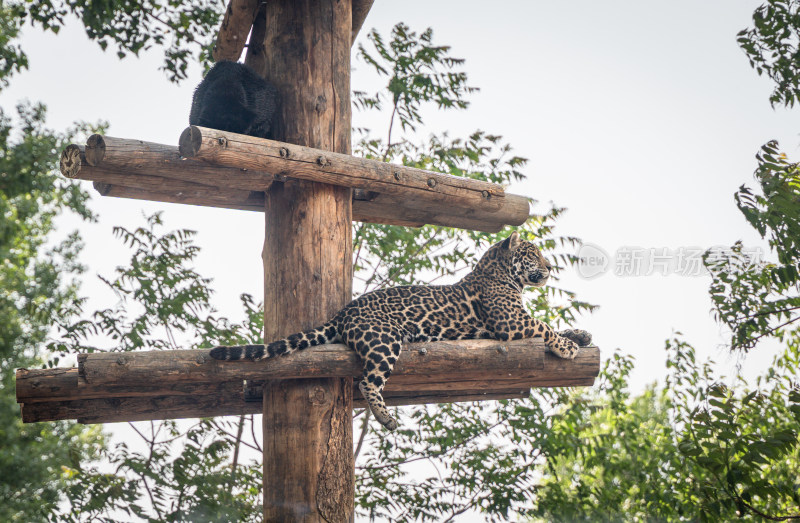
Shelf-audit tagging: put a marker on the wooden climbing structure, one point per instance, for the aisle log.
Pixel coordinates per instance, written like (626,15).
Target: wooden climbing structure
(307,185)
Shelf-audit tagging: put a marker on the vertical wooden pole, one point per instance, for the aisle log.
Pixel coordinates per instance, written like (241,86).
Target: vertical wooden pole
(308,425)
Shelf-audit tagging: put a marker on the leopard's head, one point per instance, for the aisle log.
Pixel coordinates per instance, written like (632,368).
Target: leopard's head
(522,260)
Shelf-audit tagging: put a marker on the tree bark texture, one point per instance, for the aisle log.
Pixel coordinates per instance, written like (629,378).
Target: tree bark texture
(308,424)
(234,29)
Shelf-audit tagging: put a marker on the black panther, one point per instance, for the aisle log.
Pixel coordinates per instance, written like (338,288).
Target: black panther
(232,97)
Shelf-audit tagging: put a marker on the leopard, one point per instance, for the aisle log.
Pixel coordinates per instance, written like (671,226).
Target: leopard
(486,304)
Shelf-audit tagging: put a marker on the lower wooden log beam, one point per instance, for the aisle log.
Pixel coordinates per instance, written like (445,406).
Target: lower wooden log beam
(109,387)
(231,400)
(421,365)
(432,360)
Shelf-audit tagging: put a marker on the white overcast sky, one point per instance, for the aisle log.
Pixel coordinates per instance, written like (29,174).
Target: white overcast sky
(642,118)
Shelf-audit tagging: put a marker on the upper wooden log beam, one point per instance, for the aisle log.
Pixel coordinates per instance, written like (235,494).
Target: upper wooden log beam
(150,171)
(130,158)
(419,187)
(234,29)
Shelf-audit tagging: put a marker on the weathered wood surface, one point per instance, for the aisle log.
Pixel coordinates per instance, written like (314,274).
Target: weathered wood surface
(252,201)
(54,394)
(105,159)
(360,11)
(420,187)
(309,469)
(227,398)
(488,357)
(203,196)
(422,366)
(255,47)
(149,171)
(113,410)
(234,29)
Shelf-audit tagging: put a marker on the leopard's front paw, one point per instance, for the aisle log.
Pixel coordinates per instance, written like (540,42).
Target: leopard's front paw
(581,337)
(564,348)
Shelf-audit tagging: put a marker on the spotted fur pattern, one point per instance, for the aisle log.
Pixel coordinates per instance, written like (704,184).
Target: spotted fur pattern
(487,303)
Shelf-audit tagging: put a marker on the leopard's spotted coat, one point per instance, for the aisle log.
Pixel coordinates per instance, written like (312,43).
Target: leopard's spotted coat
(487,303)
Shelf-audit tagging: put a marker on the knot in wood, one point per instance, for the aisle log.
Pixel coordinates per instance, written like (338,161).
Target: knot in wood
(222,141)
(486,194)
(284,152)
(423,351)
(323,162)
(431,183)
(121,360)
(201,358)
(502,349)
(321,104)
(316,396)
(397,176)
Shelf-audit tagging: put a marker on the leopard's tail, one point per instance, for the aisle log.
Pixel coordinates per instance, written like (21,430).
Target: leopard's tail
(327,333)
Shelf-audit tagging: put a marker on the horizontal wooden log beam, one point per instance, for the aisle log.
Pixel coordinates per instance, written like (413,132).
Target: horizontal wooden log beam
(126,157)
(117,386)
(418,187)
(231,398)
(382,209)
(149,171)
(113,410)
(323,361)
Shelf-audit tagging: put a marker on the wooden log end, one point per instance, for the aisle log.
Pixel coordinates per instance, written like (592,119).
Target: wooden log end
(70,163)
(95,150)
(517,209)
(190,142)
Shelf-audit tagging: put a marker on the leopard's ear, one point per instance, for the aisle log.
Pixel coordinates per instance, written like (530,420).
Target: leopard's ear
(512,242)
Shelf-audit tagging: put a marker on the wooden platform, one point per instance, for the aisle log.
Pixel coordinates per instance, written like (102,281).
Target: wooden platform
(134,386)
(220,169)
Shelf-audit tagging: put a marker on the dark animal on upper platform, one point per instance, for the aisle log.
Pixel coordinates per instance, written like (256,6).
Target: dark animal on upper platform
(232,97)
(487,303)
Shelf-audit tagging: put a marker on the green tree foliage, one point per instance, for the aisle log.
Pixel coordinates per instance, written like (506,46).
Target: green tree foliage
(773,47)
(186,472)
(758,299)
(185,30)
(693,450)
(12,59)
(36,288)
